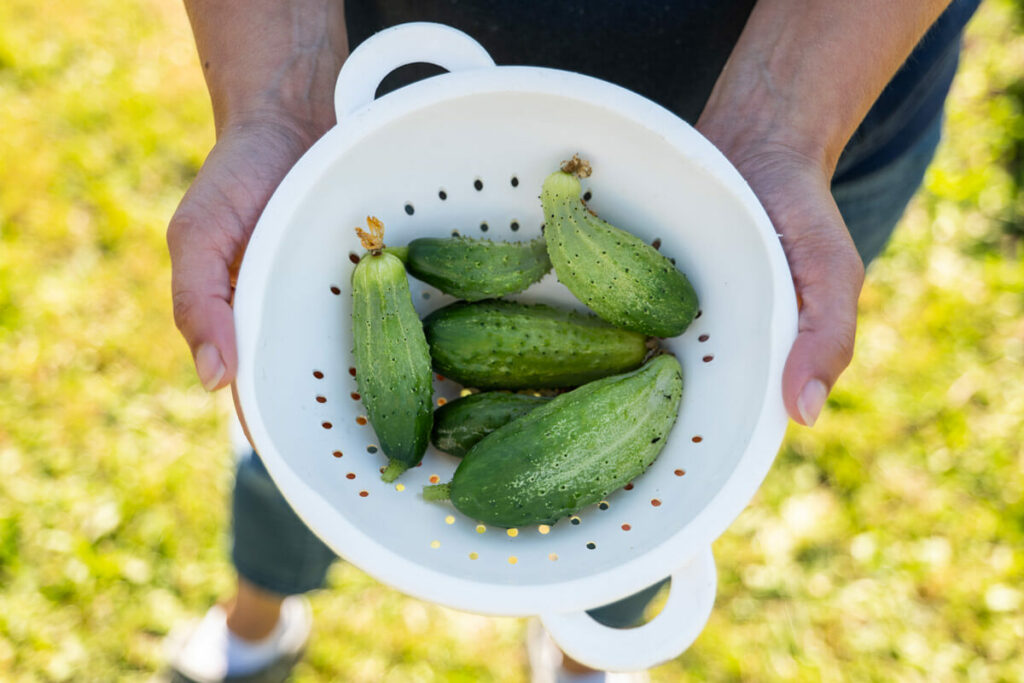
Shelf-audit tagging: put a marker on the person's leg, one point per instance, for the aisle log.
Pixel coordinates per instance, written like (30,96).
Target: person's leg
(273,550)
(263,627)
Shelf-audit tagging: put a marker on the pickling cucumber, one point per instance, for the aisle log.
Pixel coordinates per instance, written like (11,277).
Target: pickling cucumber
(496,344)
(617,275)
(473,269)
(391,355)
(458,425)
(569,453)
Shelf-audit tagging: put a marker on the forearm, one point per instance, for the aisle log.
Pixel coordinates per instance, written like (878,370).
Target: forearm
(804,74)
(270,57)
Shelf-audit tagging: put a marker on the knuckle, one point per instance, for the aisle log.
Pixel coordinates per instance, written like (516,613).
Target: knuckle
(184,305)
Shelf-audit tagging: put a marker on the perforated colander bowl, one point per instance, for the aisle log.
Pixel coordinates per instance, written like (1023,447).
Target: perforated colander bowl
(467,151)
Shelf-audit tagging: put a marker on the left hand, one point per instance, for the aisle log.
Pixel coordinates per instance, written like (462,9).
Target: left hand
(827,271)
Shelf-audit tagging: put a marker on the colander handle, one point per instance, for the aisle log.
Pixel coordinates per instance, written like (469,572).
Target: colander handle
(663,638)
(397,46)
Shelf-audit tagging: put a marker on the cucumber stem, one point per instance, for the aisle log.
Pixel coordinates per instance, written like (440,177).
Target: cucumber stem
(374,239)
(437,492)
(394,468)
(580,167)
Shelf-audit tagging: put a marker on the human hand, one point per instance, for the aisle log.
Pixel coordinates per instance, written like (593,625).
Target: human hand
(826,268)
(270,67)
(796,86)
(209,232)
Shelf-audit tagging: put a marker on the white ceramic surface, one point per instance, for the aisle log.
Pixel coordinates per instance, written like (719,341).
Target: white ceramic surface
(508,127)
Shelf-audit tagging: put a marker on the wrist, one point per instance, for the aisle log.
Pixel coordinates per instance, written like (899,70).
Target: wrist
(297,91)
(271,60)
(754,123)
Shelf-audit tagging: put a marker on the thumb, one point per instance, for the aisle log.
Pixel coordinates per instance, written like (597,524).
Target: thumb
(202,291)
(827,274)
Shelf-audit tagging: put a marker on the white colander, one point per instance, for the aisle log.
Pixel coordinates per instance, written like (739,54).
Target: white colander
(468,150)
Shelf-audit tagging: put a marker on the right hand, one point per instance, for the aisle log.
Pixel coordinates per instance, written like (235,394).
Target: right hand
(209,232)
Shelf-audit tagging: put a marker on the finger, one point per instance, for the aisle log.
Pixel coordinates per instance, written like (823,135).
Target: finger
(828,286)
(201,288)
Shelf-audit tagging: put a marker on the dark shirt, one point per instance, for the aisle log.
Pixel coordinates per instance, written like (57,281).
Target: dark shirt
(670,52)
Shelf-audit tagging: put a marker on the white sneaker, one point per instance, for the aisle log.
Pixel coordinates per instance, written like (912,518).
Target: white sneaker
(205,651)
(546,662)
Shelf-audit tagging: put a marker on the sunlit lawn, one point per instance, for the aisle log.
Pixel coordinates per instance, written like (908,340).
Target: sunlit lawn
(887,543)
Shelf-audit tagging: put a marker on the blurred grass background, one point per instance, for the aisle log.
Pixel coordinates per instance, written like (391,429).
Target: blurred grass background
(886,544)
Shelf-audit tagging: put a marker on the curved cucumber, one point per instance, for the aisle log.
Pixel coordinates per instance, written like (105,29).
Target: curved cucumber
(618,276)
(460,424)
(474,269)
(570,453)
(392,360)
(499,344)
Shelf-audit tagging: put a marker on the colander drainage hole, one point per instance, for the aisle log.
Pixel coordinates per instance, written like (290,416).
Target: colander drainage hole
(441,401)
(455,233)
(355,396)
(708,358)
(575,520)
(352,371)
(703,338)
(350,475)
(318,374)
(626,527)
(353,257)
(426,295)
(514,226)
(442,195)
(591,545)
(656,243)
(603,505)
(483,227)
(515,181)
(326,425)
(680,473)
(371,449)
(478,184)
(628,487)
(360,420)
(338,454)
(335,290)
(321,399)
(655,502)
(699,313)
(409,210)
(587,195)
(364,494)
(697,439)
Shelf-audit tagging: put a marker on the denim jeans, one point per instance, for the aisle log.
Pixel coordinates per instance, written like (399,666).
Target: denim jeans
(273,549)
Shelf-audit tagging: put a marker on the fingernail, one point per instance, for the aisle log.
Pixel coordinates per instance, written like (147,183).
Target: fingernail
(209,366)
(811,401)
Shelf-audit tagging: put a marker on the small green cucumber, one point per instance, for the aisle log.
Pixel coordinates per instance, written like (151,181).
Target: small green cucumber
(617,275)
(391,355)
(498,344)
(474,269)
(460,424)
(569,453)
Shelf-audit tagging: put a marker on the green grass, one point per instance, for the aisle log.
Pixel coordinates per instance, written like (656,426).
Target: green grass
(886,544)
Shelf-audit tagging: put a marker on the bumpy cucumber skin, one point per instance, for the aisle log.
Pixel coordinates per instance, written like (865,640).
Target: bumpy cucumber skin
(618,276)
(497,344)
(474,269)
(458,425)
(571,452)
(392,361)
